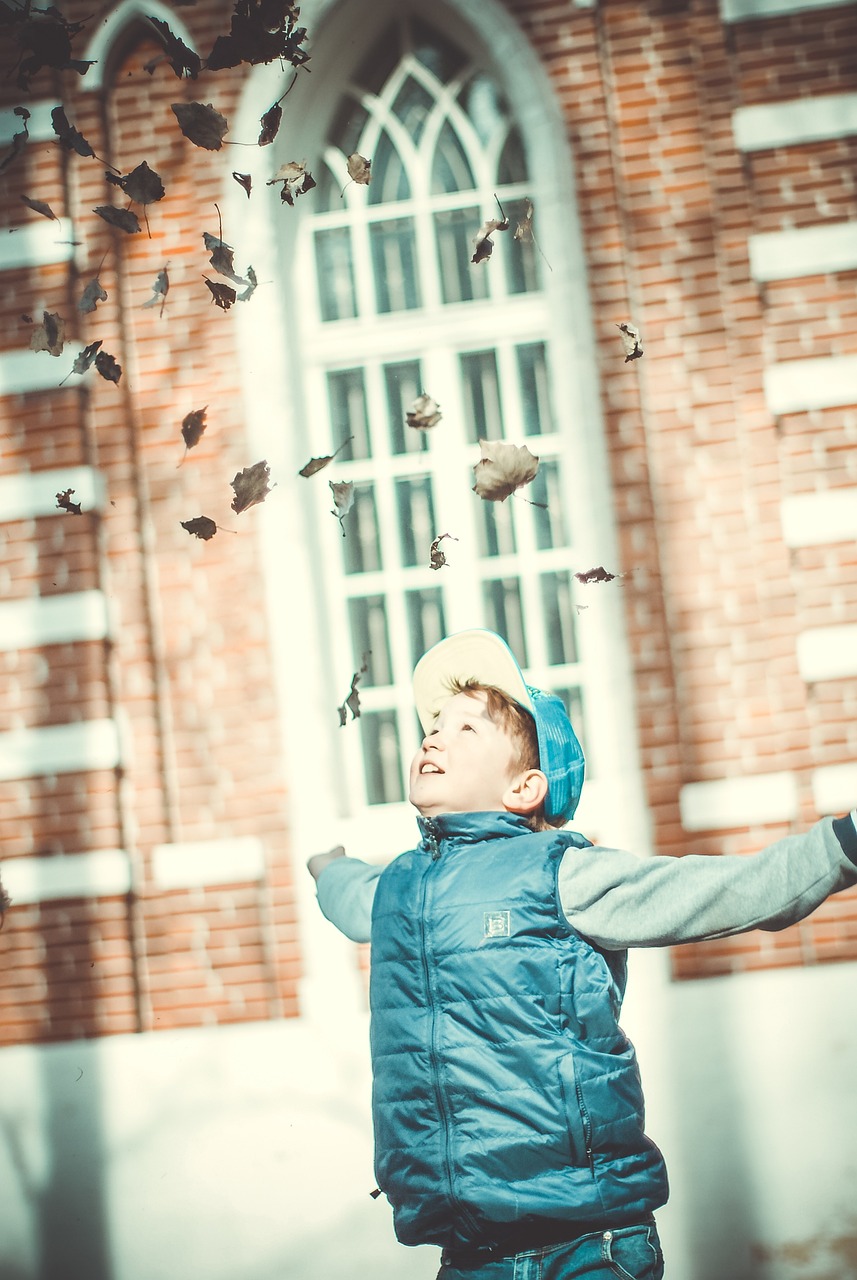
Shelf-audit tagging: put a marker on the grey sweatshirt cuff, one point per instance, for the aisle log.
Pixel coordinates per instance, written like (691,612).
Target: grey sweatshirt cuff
(846,833)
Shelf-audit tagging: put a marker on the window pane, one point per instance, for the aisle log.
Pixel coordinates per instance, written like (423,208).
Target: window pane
(369,639)
(435,52)
(347,396)
(404,383)
(347,128)
(461,280)
(535,391)
(482,102)
(504,613)
(521,256)
(549,517)
(389,179)
(559,616)
(513,162)
(382,761)
(335,274)
(482,396)
(381,61)
(361,546)
(416,520)
(497,529)
(394,264)
(426,623)
(451,169)
(412,106)
(573,699)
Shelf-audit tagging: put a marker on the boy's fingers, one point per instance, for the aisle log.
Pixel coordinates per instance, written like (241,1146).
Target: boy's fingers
(318,861)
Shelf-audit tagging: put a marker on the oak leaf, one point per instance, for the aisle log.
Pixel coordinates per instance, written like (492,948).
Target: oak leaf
(251,486)
(502,469)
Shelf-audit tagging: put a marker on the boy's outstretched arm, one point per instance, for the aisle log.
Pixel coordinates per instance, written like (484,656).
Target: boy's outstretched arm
(617,899)
(346,891)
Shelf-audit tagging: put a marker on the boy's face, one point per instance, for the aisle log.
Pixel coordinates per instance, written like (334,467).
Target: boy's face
(466,761)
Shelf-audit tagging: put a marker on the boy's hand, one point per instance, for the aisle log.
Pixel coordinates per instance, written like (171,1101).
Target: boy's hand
(318,861)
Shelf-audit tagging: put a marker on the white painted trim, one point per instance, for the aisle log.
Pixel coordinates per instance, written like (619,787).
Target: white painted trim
(823,382)
(59,748)
(748,10)
(834,789)
(104,873)
(23,371)
(813,519)
(36,244)
(40,126)
(803,251)
(34,493)
(195,863)
(105,35)
(738,802)
(827,653)
(60,619)
(800,120)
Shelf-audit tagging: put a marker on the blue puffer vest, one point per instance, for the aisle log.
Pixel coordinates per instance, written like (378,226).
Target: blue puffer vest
(507,1102)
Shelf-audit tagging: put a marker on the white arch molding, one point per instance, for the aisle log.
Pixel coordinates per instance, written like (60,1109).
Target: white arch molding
(104,38)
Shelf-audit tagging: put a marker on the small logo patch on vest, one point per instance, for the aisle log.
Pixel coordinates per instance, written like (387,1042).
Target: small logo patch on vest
(496,924)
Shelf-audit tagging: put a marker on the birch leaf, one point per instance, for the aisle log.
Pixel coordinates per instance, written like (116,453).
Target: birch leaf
(124,219)
(108,367)
(201,124)
(193,426)
(91,296)
(251,486)
(200,527)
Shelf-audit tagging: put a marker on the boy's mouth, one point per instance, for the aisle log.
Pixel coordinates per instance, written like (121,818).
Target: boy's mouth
(429,767)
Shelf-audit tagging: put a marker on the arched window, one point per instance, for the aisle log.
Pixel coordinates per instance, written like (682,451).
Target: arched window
(393,307)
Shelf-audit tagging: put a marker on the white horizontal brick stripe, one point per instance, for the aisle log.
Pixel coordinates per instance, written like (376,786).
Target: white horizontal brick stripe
(102,874)
(834,789)
(23,371)
(738,802)
(37,244)
(59,748)
(800,120)
(62,619)
(39,126)
(827,653)
(805,251)
(207,862)
(745,10)
(794,386)
(814,519)
(34,493)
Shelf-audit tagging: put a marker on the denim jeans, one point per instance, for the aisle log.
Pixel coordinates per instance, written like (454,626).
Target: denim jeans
(629,1253)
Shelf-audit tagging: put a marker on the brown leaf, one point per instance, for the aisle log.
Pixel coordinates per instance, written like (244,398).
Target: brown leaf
(423,413)
(19,140)
(201,124)
(316,464)
(180,57)
(437,559)
(483,242)
(160,289)
(39,206)
(222,257)
(352,702)
(343,499)
(65,503)
(596,575)
(502,469)
(86,357)
(49,335)
(251,486)
(221,294)
(92,294)
(193,426)
(359,169)
(252,283)
(125,219)
(270,124)
(244,180)
(107,367)
(295,179)
(261,32)
(200,527)
(630,341)
(67,135)
(524,229)
(142,185)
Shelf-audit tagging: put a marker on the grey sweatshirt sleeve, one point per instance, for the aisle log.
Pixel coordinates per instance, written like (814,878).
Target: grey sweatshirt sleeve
(346,891)
(618,899)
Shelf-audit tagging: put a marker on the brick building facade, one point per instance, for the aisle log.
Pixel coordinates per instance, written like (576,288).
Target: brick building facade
(145,794)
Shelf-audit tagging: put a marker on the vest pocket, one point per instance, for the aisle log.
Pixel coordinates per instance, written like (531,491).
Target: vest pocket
(577,1122)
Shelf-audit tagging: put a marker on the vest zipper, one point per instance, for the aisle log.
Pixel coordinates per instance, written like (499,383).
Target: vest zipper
(587,1125)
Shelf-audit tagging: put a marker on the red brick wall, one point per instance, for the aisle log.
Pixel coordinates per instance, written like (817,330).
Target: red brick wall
(714,600)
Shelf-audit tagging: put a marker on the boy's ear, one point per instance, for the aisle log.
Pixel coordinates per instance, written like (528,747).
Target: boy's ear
(526,792)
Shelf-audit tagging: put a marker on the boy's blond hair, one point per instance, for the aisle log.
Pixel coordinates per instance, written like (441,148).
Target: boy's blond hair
(521,728)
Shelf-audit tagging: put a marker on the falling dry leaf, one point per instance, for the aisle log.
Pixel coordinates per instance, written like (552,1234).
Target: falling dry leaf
(483,242)
(67,136)
(201,527)
(85,358)
(222,295)
(222,257)
(261,32)
(359,171)
(124,219)
(39,206)
(251,486)
(524,229)
(502,469)
(437,559)
(193,426)
(343,499)
(92,294)
(270,124)
(252,283)
(160,289)
(201,124)
(244,180)
(180,57)
(596,575)
(352,702)
(142,185)
(630,341)
(316,464)
(45,36)
(65,503)
(423,413)
(107,367)
(295,179)
(19,140)
(49,335)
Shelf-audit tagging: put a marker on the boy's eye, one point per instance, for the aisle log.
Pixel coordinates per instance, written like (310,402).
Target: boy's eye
(468,726)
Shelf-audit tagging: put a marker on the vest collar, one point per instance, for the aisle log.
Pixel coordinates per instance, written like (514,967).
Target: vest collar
(466,828)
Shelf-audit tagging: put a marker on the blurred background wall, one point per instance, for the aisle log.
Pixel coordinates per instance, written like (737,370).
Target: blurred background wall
(183,1078)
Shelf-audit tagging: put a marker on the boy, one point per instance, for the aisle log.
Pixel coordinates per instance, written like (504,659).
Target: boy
(507,1104)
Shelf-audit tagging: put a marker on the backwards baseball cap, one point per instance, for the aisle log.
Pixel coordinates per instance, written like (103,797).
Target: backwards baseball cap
(484,656)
